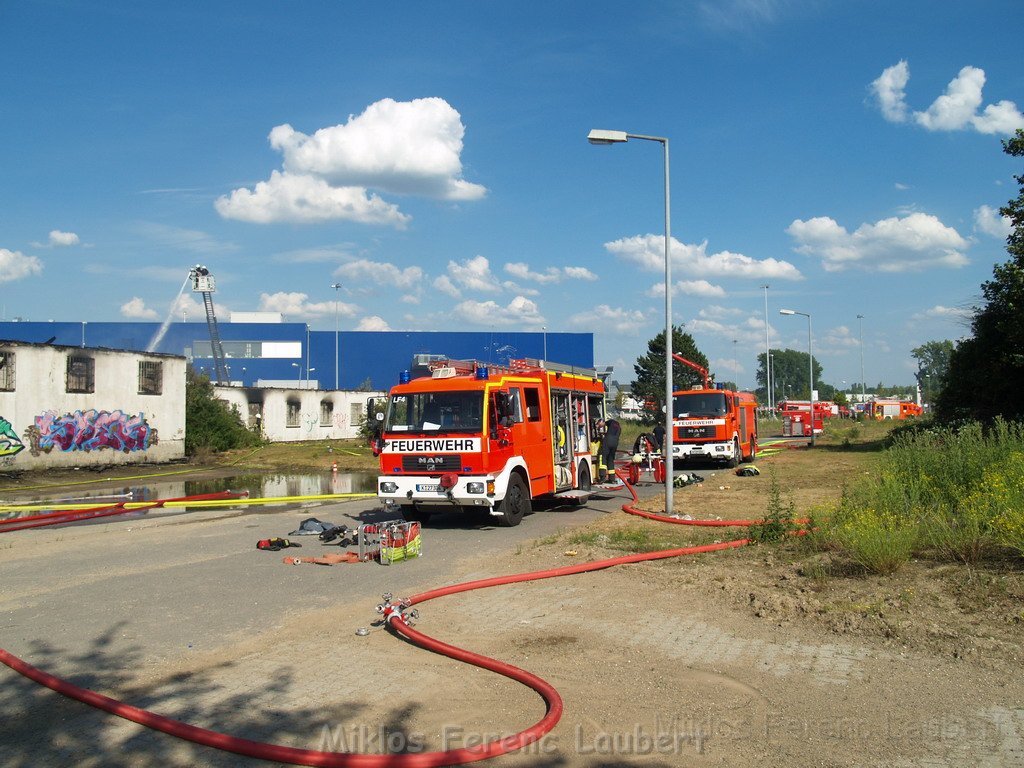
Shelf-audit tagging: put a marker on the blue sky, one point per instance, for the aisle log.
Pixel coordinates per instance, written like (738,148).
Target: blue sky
(431,158)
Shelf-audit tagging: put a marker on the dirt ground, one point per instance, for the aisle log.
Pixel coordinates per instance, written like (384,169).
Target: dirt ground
(763,656)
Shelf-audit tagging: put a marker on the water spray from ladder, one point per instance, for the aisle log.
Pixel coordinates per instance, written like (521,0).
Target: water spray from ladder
(162,331)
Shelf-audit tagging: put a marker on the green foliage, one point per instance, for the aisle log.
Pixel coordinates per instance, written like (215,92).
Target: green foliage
(370,423)
(932,365)
(992,514)
(649,386)
(789,374)
(210,424)
(951,494)
(878,540)
(778,521)
(984,371)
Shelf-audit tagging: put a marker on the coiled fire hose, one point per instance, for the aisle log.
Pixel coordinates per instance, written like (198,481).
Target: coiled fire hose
(397,617)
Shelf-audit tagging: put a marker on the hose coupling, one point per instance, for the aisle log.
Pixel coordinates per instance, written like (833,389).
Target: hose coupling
(397,610)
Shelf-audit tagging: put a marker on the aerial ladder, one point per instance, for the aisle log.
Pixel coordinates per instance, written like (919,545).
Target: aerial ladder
(203,282)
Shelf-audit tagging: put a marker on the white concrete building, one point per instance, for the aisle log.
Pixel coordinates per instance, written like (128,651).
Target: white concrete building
(290,414)
(64,406)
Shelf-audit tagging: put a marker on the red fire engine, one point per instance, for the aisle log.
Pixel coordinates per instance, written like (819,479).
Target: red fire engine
(713,423)
(893,409)
(479,437)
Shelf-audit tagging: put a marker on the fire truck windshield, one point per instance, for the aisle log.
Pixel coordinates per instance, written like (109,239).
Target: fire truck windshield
(705,403)
(429,412)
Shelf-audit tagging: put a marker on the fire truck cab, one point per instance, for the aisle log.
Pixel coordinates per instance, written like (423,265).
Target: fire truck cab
(716,424)
(482,438)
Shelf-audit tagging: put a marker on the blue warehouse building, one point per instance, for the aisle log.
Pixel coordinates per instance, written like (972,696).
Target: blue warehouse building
(287,354)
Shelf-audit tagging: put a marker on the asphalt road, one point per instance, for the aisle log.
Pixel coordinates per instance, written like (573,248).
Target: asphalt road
(159,586)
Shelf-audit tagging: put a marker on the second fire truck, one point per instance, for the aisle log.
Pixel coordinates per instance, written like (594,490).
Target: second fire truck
(712,423)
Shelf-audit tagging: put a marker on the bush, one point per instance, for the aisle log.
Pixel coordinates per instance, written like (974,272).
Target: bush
(210,424)
(880,541)
(997,504)
(954,492)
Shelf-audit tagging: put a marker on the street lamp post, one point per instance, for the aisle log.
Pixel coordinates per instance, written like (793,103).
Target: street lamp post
(810,362)
(544,330)
(767,353)
(308,371)
(336,287)
(598,136)
(863,385)
(298,381)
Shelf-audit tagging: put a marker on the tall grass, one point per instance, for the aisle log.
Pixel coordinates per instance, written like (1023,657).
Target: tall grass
(945,493)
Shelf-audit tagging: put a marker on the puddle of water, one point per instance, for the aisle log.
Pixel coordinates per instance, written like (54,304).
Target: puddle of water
(258,485)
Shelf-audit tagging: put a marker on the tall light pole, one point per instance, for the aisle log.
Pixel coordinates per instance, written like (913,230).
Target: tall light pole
(598,136)
(336,287)
(810,362)
(544,330)
(298,381)
(863,385)
(308,371)
(767,352)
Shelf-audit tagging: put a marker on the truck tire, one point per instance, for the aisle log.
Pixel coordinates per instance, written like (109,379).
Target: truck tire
(516,503)
(583,477)
(737,454)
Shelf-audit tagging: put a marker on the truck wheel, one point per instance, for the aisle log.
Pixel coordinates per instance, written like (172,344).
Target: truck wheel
(516,503)
(583,483)
(412,514)
(584,478)
(737,454)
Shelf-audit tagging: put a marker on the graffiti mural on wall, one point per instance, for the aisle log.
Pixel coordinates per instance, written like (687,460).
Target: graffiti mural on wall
(90,430)
(10,445)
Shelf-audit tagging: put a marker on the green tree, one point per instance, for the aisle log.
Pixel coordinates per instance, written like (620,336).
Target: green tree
(789,375)
(985,370)
(649,386)
(932,364)
(209,422)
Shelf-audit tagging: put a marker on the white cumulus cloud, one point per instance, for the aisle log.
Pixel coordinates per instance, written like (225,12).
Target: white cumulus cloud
(472,275)
(307,200)
(15,265)
(393,147)
(381,273)
(958,108)
(940,312)
(550,275)
(912,243)
(58,238)
(445,285)
(992,223)
(296,304)
(520,311)
(373,323)
(648,252)
(136,309)
(688,288)
(604,319)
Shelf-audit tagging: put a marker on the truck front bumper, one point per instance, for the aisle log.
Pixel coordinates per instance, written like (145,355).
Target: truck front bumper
(718,451)
(426,490)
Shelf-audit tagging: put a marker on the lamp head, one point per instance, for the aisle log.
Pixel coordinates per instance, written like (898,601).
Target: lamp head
(786,312)
(598,136)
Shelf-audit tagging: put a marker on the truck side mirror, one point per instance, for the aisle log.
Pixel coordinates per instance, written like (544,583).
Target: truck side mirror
(503,403)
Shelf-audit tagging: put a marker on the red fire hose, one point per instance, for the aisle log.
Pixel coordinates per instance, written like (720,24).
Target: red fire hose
(74,515)
(397,619)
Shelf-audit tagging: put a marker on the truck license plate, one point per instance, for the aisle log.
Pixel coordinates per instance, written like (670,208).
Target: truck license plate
(426,487)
